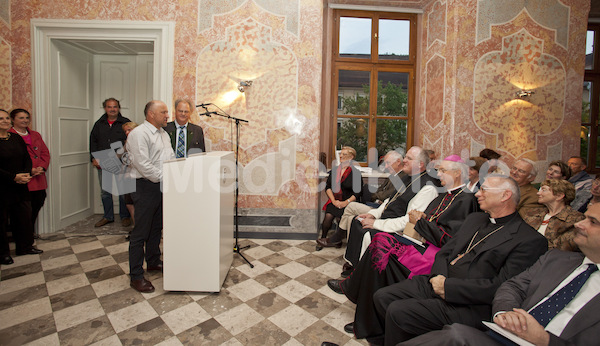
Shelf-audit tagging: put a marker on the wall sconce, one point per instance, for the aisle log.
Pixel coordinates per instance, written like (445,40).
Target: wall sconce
(524,93)
(244,84)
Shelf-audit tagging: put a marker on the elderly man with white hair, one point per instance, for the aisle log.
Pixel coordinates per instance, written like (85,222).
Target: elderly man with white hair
(524,172)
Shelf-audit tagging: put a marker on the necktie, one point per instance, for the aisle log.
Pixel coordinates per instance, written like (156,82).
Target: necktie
(181,142)
(546,311)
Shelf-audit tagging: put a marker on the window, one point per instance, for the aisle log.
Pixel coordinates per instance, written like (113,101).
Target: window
(373,80)
(590,139)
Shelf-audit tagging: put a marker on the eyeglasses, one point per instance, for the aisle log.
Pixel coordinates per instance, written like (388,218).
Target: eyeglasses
(485,189)
(443,170)
(521,171)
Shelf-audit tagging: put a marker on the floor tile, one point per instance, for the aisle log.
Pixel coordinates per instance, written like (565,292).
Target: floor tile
(239,319)
(131,316)
(67,284)
(88,332)
(77,314)
(293,290)
(185,317)
(24,312)
(247,290)
(293,319)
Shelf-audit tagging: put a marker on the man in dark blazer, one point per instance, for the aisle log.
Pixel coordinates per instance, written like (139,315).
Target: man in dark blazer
(577,324)
(193,137)
(487,250)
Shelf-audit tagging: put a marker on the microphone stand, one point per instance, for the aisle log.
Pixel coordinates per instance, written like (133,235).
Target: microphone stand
(236,246)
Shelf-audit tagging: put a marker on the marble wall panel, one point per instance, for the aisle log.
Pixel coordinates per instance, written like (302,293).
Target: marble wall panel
(5,76)
(434,95)
(436,24)
(493,49)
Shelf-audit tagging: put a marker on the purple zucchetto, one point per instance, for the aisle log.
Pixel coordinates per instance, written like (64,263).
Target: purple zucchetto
(454,158)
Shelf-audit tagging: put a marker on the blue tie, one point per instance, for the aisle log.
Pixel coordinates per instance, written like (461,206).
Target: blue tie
(546,311)
(181,142)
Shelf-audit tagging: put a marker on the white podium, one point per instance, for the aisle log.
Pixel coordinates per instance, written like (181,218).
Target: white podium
(198,221)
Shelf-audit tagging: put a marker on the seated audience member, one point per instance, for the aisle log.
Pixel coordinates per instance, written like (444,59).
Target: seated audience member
(392,165)
(556,218)
(558,170)
(417,190)
(595,195)
(344,185)
(528,304)
(489,154)
(523,172)
(581,179)
(390,258)
(474,183)
(492,157)
(488,249)
(431,154)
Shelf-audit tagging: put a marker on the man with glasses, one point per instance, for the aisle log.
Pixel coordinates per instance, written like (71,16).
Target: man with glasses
(391,258)
(417,190)
(488,249)
(186,138)
(524,172)
(581,179)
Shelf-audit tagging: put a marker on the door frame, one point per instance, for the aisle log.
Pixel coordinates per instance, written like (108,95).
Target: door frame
(43,31)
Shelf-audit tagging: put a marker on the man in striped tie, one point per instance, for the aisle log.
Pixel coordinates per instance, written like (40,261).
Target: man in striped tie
(555,302)
(186,138)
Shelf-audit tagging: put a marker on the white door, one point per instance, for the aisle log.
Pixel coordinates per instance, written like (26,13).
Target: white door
(71,122)
(128,78)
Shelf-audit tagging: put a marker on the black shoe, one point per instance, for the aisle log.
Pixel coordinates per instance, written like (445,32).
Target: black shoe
(346,273)
(335,285)
(349,328)
(327,343)
(6,260)
(31,251)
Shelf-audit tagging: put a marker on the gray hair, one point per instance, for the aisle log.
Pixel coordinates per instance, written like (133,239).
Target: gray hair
(461,167)
(178,101)
(534,171)
(394,155)
(422,155)
(508,183)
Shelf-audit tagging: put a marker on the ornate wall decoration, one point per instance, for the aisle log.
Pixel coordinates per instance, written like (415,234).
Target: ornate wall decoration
(435,90)
(5,11)
(5,76)
(436,24)
(551,14)
(290,9)
(522,64)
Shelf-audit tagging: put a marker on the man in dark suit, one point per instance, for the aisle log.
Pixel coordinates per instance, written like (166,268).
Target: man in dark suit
(517,300)
(186,138)
(487,250)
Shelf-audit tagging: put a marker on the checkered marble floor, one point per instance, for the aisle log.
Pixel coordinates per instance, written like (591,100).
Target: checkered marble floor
(77,293)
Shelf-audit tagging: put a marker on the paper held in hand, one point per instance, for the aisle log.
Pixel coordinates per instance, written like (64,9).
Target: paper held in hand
(412,235)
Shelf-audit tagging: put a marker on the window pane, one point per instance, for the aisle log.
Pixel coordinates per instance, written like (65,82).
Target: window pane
(353,133)
(394,39)
(584,141)
(355,37)
(391,134)
(589,50)
(392,94)
(353,87)
(585,108)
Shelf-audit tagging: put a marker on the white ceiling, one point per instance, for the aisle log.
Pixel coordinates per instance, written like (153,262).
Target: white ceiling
(113,47)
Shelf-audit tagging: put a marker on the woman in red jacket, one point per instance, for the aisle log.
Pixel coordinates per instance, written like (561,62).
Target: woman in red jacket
(40,158)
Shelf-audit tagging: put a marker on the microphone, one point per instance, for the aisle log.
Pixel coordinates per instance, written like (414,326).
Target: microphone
(204,104)
(207,113)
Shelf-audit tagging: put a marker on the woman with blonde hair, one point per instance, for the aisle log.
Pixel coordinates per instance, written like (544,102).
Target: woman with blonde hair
(556,218)
(344,185)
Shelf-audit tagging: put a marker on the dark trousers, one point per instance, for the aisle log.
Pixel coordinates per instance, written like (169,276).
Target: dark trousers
(355,238)
(19,213)
(37,202)
(411,308)
(147,231)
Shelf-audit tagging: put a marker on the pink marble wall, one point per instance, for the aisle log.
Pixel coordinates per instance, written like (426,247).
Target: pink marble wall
(491,50)
(217,44)
(5,65)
